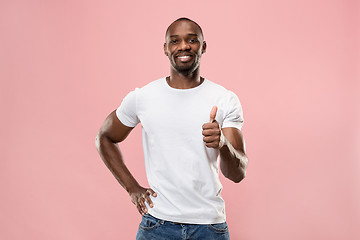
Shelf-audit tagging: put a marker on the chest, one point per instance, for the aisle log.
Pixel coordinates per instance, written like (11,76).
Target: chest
(181,114)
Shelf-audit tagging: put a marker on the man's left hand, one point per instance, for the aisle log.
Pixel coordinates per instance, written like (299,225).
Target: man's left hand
(211,131)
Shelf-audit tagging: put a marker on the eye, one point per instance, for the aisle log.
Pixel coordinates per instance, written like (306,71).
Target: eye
(174,41)
(193,40)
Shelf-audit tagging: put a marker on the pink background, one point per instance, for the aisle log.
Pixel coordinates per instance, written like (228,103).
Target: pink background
(64,65)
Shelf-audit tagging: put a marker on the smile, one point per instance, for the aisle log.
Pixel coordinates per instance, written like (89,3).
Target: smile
(184,58)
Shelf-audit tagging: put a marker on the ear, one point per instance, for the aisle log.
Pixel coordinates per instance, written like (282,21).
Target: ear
(165,49)
(204,47)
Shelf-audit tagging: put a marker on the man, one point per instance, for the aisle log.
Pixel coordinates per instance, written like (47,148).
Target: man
(187,121)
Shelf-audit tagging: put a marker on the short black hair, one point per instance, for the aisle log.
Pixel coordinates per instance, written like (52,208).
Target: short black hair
(184,19)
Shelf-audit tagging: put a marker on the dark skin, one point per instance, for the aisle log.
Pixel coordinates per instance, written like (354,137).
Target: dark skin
(184,39)
(184,46)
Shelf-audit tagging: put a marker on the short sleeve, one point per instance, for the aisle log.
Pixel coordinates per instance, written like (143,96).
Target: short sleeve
(234,115)
(126,113)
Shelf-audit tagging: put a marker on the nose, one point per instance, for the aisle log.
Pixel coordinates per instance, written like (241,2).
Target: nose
(184,45)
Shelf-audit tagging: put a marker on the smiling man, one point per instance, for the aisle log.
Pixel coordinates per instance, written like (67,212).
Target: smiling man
(187,122)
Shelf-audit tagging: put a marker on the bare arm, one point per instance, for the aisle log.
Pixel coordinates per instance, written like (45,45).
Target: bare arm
(111,132)
(233,158)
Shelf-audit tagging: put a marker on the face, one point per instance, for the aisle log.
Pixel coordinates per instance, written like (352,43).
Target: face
(184,46)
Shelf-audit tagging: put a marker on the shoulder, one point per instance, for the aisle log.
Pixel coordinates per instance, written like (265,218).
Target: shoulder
(214,85)
(220,90)
(152,85)
(145,90)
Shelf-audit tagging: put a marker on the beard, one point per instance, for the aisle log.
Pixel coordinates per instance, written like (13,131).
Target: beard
(185,69)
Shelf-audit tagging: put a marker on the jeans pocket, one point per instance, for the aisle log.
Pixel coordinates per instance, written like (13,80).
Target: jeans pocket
(148,222)
(219,227)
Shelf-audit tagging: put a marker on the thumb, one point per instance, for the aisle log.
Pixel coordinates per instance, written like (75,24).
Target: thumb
(213,114)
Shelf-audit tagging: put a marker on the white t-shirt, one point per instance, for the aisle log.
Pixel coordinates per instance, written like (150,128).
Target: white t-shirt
(180,168)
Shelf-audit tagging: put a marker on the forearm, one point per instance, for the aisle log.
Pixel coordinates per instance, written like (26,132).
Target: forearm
(111,155)
(233,162)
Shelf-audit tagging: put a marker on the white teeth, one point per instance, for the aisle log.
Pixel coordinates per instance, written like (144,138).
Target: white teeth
(184,57)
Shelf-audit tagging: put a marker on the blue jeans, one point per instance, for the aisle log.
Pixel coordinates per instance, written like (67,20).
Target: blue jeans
(152,228)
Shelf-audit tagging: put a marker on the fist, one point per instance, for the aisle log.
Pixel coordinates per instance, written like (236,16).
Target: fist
(211,131)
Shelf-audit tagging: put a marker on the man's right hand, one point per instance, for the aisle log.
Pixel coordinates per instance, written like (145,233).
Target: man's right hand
(141,195)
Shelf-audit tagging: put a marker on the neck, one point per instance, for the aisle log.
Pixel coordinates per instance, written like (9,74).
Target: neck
(184,81)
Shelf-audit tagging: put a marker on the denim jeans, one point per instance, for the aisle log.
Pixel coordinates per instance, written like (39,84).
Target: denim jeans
(152,228)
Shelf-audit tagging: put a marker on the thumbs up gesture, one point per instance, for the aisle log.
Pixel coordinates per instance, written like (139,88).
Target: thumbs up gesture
(211,131)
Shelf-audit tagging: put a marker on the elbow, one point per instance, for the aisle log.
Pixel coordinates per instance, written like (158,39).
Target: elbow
(238,178)
(235,174)
(242,170)
(98,140)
